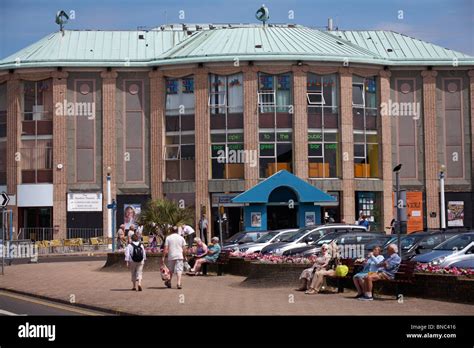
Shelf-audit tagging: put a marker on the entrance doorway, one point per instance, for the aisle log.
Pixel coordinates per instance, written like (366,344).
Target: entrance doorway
(232,221)
(281,216)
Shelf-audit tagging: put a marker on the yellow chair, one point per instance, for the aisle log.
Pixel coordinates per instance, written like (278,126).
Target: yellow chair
(146,240)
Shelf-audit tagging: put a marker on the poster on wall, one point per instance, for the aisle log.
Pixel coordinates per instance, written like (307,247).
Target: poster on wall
(455,213)
(81,202)
(256,219)
(414,211)
(309,218)
(131,213)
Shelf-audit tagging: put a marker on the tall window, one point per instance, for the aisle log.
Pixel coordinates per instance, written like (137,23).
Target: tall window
(275,123)
(3,134)
(227,135)
(366,144)
(406,123)
(85,131)
(323,123)
(134,122)
(179,124)
(454,129)
(36,140)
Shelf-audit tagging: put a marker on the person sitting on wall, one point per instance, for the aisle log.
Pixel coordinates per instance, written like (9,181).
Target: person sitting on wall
(121,239)
(370,266)
(330,270)
(321,262)
(388,269)
(198,252)
(212,255)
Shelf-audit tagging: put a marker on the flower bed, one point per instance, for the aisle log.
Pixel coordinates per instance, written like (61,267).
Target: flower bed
(427,268)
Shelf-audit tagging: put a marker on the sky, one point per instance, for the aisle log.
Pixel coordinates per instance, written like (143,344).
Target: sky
(448,23)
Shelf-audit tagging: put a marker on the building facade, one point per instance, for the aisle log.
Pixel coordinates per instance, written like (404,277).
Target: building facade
(202,113)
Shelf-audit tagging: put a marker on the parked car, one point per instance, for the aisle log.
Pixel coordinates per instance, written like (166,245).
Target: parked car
(306,235)
(351,245)
(444,253)
(420,242)
(267,239)
(469,264)
(243,237)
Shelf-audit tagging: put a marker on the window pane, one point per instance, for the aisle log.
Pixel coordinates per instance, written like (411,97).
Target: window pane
(357,92)
(218,121)
(373,160)
(266,120)
(331,157)
(172,123)
(267,136)
(267,167)
(359,150)
(187,122)
(316,168)
(235,121)
(315,150)
(315,117)
(172,170)
(217,169)
(267,150)
(284,153)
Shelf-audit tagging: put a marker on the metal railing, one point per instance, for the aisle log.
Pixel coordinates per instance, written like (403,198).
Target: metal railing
(85,233)
(36,233)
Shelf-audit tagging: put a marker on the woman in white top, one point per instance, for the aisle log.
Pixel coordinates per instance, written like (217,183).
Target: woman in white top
(135,257)
(321,262)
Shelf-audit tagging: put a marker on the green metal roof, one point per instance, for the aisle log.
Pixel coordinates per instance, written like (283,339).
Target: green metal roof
(395,46)
(175,44)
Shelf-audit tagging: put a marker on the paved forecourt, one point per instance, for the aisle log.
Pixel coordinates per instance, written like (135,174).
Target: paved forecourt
(85,284)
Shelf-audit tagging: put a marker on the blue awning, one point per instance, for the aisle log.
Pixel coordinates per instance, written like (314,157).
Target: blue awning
(306,193)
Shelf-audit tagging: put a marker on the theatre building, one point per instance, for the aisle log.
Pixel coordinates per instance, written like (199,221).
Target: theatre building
(226,117)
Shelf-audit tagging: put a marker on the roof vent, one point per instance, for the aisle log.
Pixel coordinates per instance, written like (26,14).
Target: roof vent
(339,43)
(330,26)
(389,50)
(258,46)
(262,14)
(61,19)
(141,37)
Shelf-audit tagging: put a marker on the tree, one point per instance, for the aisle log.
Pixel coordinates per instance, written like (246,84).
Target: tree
(161,215)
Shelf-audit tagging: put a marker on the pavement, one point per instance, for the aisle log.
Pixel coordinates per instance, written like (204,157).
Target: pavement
(12,304)
(211,295)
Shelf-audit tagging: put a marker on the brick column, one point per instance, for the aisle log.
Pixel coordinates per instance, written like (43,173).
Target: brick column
(109,143)
(13,141)
(386,142)
(157,112)
(59,156)
(300,123)
(250,124)
(347,146)
(430,148)
(202,149)
(471,91)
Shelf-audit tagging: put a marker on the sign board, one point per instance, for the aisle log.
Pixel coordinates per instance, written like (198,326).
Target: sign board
(4,199)
(77,202)
(413,209)
(455,213)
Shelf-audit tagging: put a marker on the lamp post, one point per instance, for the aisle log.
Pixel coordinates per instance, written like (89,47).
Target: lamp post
(109,208)
(399,205)
(442,171)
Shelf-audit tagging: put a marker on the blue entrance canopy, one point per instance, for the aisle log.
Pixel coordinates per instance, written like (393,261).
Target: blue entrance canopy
(306,193)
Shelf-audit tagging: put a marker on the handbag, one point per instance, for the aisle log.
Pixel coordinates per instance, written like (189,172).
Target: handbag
(165,273)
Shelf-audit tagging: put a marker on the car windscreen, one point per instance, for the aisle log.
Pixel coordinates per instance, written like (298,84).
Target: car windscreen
(235,238)
(266,238)
(328,238)
(456,243)
(300,233)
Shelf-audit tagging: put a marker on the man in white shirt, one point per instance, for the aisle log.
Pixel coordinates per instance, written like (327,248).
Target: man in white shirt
(175,250)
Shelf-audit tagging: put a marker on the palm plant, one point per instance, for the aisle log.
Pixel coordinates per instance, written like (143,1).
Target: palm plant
(161,215)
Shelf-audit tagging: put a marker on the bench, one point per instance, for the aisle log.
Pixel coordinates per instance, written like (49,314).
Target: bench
(222,260)
(404,275)
(353,269)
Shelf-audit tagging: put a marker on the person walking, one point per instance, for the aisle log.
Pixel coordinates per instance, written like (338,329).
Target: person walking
(203,225)
(135,257)
(175,252)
